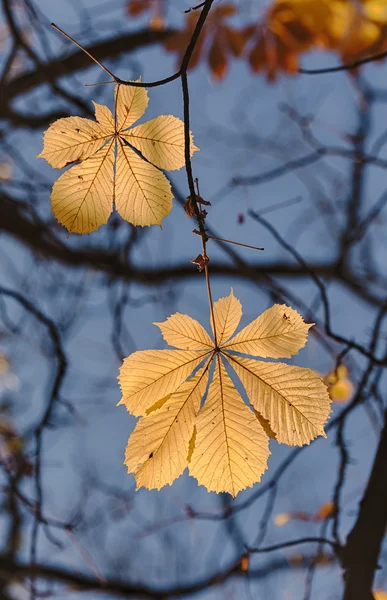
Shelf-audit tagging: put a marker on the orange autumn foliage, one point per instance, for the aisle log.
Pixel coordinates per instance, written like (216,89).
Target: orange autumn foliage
(324,512)
(154,7)
(218,41)
(275,42)
(293,27)
(340,387)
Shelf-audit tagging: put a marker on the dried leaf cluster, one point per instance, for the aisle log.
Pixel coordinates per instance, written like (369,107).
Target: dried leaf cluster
(154,8)
(218,42)
(293,27)
(274,42)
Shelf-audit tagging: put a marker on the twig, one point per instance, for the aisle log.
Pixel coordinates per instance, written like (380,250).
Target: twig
(194,7)
(143,84)
(218,239)
(347,67)
(66,35)
(306,540)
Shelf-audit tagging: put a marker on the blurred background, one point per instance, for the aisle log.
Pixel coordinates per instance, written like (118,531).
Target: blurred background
(294,162)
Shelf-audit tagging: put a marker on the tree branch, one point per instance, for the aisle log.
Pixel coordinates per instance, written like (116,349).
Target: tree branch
(77,61)
(41,240)
(361,552)
(124,589)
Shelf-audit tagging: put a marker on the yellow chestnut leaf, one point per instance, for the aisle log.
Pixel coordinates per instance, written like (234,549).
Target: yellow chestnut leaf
(110,165)
(223,441)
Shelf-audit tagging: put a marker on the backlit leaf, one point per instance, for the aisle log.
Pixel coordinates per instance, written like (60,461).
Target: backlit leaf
(340,387)
(222,440)
(72,139)
(218,39)
(266,425)
(227,314)
(143,194)
(282,519)
(231,447)
(136,7)
(294,400)
(82,198)
(325,511)
(236,40)
(104,117)
(157,449)
(376,10)
(287,30)
(217,58)
(181,331)
(148,375)
(130,104)
(161,141)
(279,332)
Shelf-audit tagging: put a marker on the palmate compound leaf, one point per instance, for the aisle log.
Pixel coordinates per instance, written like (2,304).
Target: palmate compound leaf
(228,447)
(116,164)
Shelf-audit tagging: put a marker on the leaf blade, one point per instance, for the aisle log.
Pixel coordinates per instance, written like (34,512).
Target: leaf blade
(142,193)
(294,400)
(104,117)
(279,332)
(231,447)
(161,141)
(185,333)
(149,375)
(82,197)
(131,103)
(72,139)
(227,314)
(158,447)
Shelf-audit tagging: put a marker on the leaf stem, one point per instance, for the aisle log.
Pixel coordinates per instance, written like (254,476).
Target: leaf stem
(187,147)
(208,283)
(85,51)
(116,79)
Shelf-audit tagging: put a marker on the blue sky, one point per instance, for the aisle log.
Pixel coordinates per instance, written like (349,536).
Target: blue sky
(233,122)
